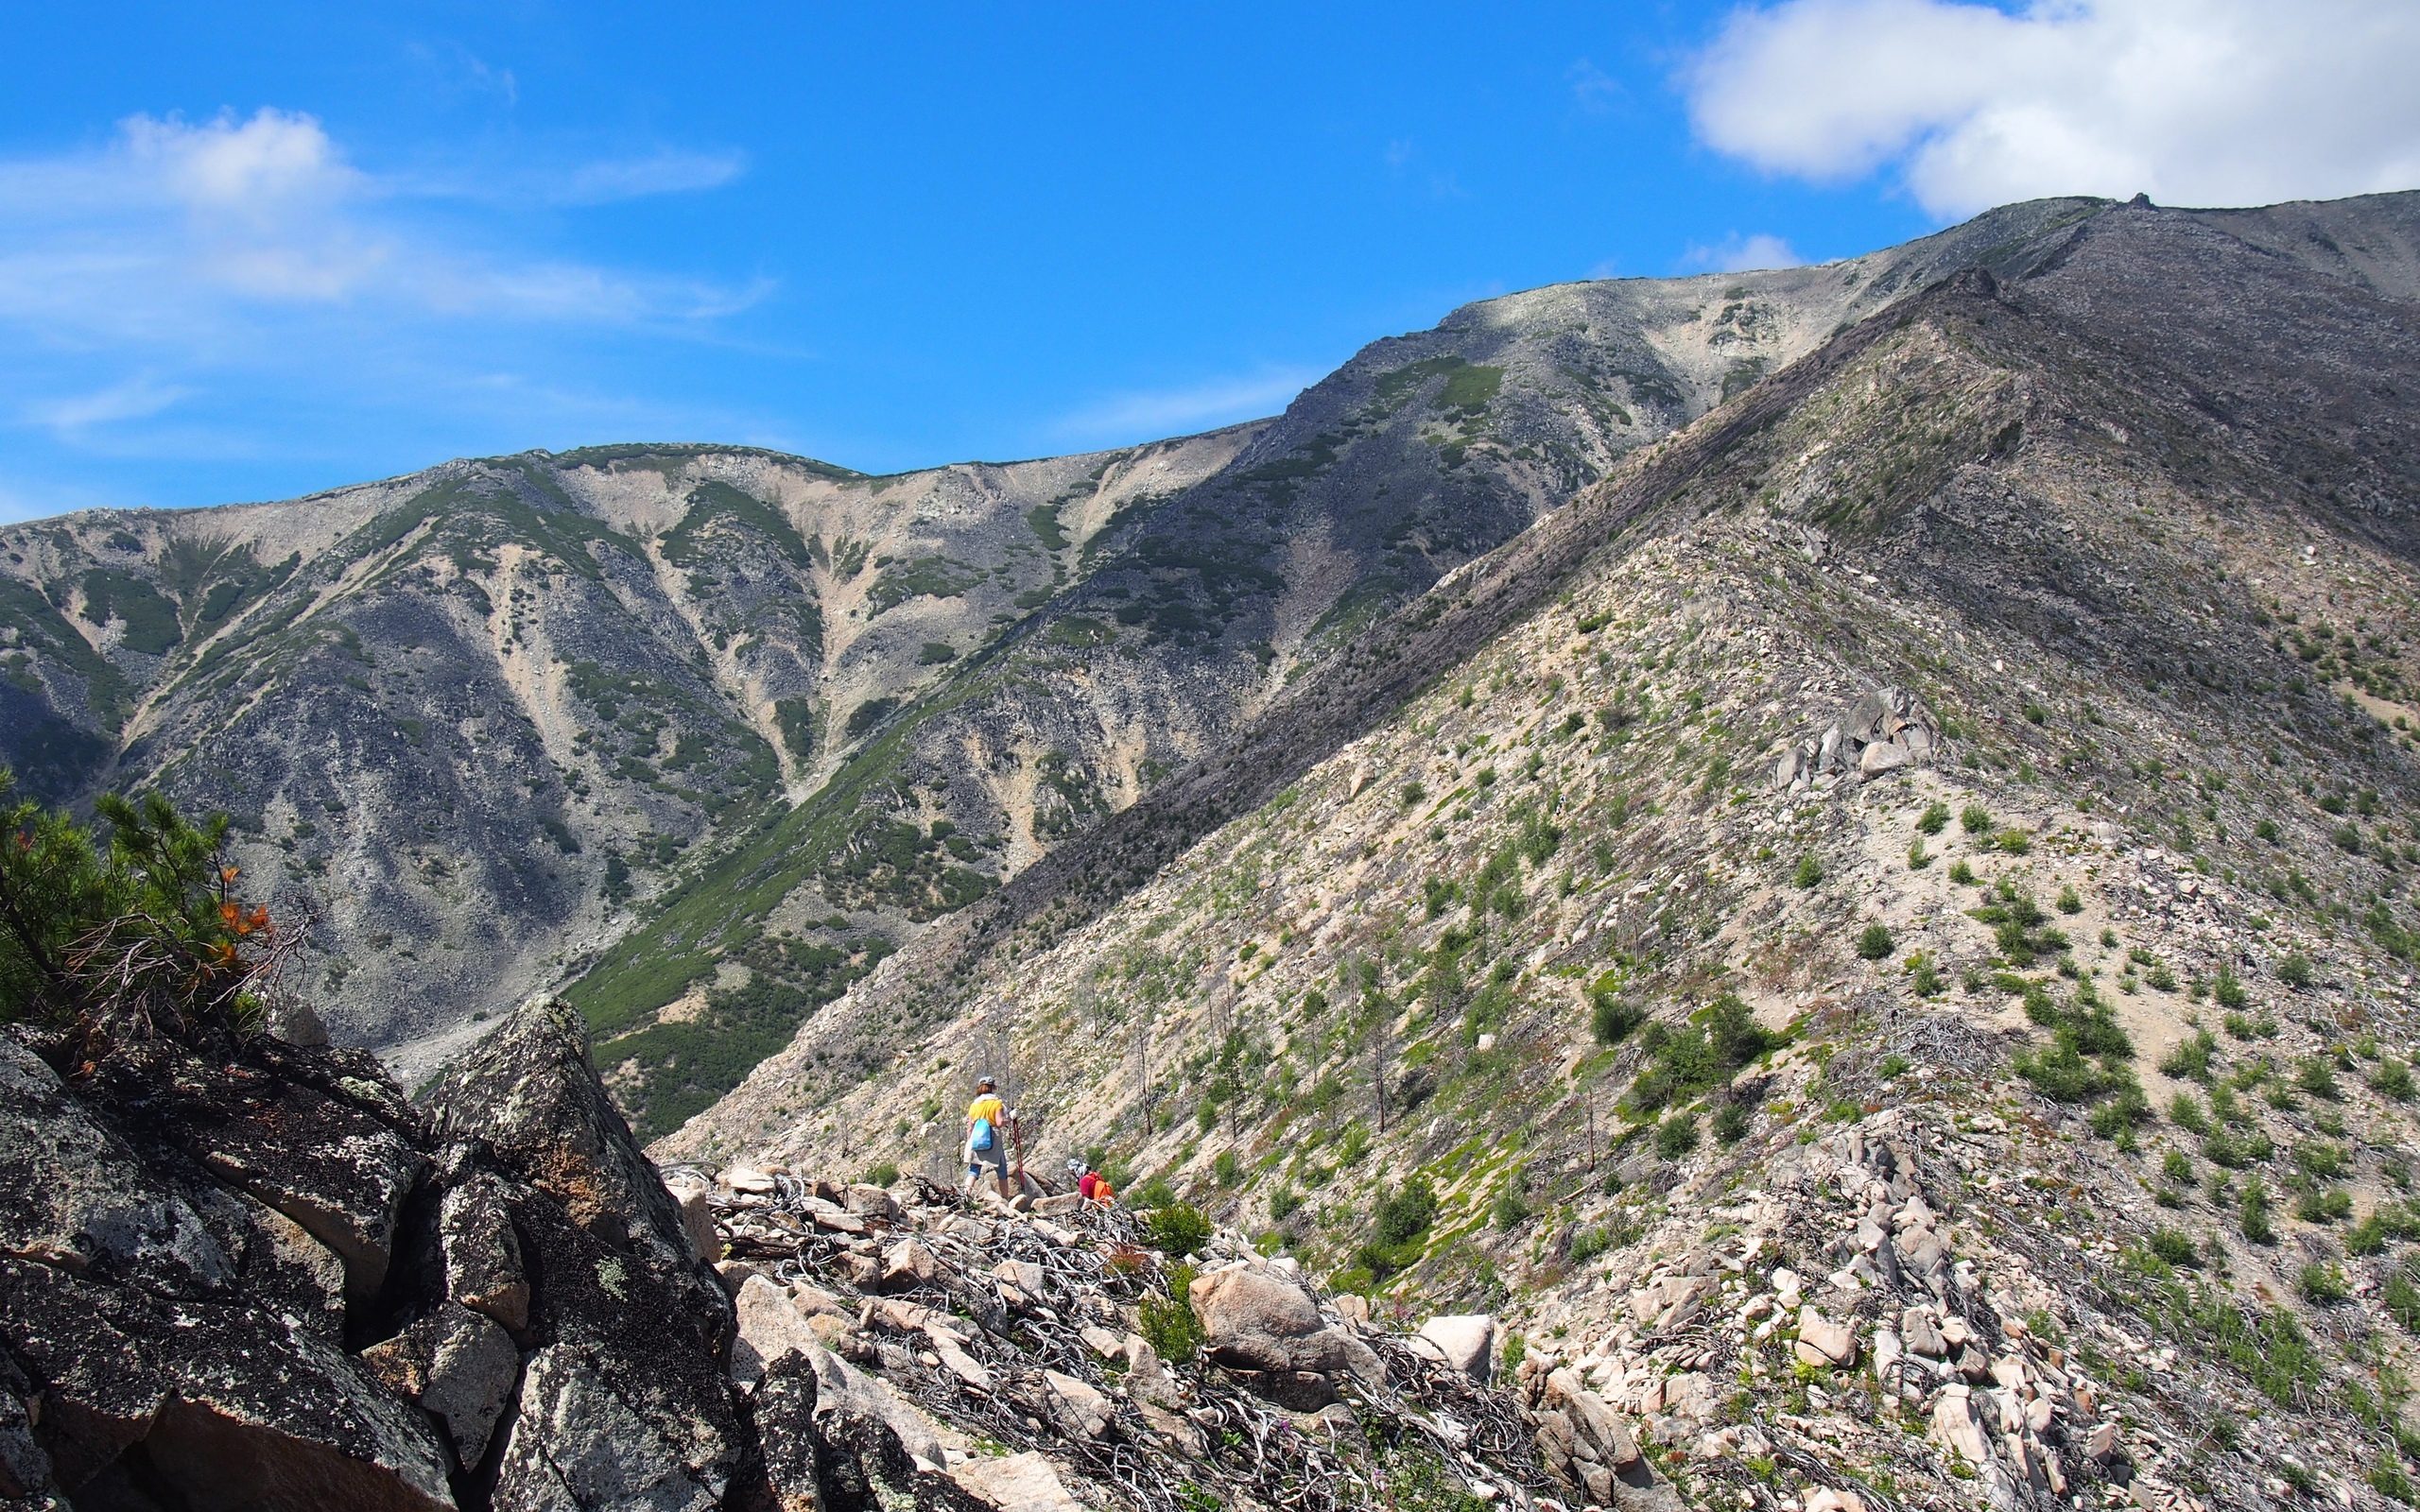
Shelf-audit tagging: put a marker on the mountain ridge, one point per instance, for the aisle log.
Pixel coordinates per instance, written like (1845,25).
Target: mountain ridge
(693,916)
(1634,983)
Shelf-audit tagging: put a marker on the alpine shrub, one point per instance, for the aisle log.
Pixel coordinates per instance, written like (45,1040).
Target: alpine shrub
(143,938)
(1178,1228)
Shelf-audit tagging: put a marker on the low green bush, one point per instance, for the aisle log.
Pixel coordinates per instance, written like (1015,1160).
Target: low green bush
(1676,1136)
(1169,1324)
(1178,1228)
(1718,1040)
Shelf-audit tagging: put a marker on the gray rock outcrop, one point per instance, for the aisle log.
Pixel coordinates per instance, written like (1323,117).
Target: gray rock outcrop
(275,1283)
(1886,730)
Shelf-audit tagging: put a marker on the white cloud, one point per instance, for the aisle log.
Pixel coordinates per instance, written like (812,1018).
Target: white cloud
(136,397)
(1150,413)
(185,230)
(251,169)
(1736,253)
(657,172)
(2204,102)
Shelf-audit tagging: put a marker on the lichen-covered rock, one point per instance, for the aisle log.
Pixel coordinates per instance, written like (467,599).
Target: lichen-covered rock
(234,1406)
(289,1269)
(652,1338)
(482,1257)
(83,1345)
(783,1409)
(334,1166)
(24,1466)
(577,1444)
(71,1195)
(472,1369)
(529,1094)
(189,1247)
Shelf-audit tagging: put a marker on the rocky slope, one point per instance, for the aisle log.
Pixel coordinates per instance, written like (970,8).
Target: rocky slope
(1995,1088)
(271,1283)
(743,722)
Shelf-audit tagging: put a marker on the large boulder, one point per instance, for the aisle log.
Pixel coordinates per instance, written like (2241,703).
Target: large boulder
(232,1406)
(843,1392)
(1465,1341)
(321,1136)
(73,1196)
(1260,1318)
(771,1326)
(529,1094)
(632,1399)
(192,1251)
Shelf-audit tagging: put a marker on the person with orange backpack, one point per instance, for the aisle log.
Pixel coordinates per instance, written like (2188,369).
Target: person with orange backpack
(1090,1184)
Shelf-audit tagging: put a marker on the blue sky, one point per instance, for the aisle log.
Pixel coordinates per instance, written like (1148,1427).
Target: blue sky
(249,251)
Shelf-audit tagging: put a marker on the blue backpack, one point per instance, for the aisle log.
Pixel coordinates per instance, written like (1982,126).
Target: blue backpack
(983,1137)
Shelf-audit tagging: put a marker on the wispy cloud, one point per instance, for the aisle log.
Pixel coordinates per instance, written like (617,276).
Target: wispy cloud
(2225,102)
(136,397)
(1405,164)
(1736,253)
(1594,90)
(1150,413)
(460,71)
(178,226)
(666,172)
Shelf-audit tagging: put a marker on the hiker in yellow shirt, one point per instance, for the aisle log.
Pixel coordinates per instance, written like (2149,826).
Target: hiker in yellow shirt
(987,1135)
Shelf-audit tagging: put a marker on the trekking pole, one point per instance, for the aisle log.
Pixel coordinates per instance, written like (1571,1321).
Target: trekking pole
(1016,1140)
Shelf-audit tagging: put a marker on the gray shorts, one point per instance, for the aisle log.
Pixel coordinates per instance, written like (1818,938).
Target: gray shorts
(996,1156)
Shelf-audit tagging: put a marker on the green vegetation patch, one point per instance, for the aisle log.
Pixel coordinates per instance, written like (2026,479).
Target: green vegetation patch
(716,507)
(1469,388)
(680,1069)
(1043,520)
(935,577)
(1718,1041)
(151,620)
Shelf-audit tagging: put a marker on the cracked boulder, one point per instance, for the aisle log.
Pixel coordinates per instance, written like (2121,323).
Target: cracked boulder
(1259,1319)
